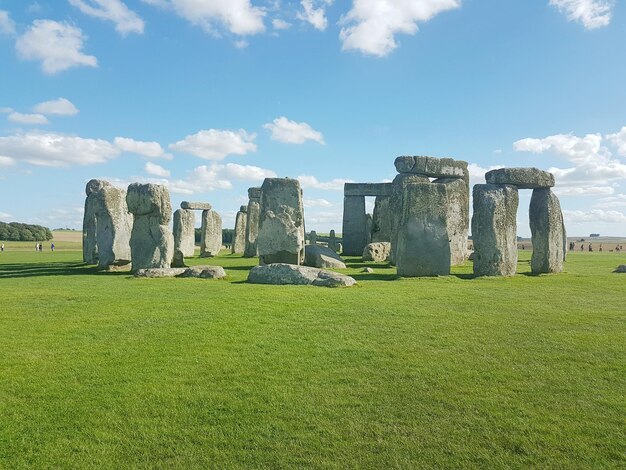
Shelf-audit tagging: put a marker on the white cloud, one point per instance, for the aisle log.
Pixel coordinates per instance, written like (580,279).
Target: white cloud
(22,118)
(584,190)
(595,215)
(237,16)
(292,132)
(4,216)
(156,170)
(214,144)
(57,45)
(59,107)
(619,140)
(280,24)
(317,203)
(314,12)
(50,149)
(619,200)
(6,161)
(6,110)
(246,172)
(7,26)
(591,13)
(371,25)
(146,149)
(241,44)
(126,21)
(307,181)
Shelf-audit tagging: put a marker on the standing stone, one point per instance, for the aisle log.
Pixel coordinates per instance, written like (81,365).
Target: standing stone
(494,229)
(151,242)
(113,227)
(239,237)
(313,237)
(381,227)
(369,224)
(547,228)
(395,206)
(281,230)
(354,225)
(458,218)
(184,235)
(211,234)
(252,226)
(423,239)
(332,241)
(90,244)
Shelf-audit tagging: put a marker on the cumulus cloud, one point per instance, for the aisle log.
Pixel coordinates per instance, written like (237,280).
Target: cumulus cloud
(246,172)
(595,215)
(591,13)
(214,144)
(207,178)
(57,45)
(307,181)
(619,200)
(6,161)
(145,149)
(279,24)
(371,26)
(22,118)
(156,170)
(292,132)
(59,107)
(50,149)
(7,26)
(236,16)
(126,21)
(619,140)
(314,12)
(317,203)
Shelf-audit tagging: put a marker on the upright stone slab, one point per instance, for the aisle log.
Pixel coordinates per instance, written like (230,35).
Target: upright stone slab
(184,234)
(423,239)
(313,237)
(151,242)
(369,224)
(90,243)
(548,232)
(381,227)
(252,226)
(354,225)
(395,206)
(113,227)
(522,178)
(239,237)
(332,241)
(494,229)
(458,218)
(211,234)
(281,228)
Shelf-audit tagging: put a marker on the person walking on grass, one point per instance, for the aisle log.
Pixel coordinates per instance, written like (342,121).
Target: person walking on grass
(2,248)
(52,247)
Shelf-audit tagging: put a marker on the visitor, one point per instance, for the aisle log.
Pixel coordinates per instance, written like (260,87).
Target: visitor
(590,249)
(2,248)
(600,248)
(52,247)
(582,247)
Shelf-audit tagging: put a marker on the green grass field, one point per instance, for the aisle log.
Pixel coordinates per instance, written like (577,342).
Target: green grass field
(102,370)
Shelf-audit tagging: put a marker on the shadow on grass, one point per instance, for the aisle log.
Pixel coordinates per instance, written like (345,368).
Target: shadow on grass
(16,270)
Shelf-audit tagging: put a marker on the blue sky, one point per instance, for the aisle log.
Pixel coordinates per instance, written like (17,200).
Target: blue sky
(211,96)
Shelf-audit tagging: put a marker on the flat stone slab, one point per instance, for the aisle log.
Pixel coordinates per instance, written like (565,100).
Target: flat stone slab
(291,274)
(319,256)
(202,272)
(522,178)
(621,269)
(367,189)
(432,167)
(196,206)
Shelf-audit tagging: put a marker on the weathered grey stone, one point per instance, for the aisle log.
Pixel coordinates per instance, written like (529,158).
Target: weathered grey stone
(113,227)
(319,256)
(179,260)
(90,244)
(196,206)
(369,224)
(367,270)
(94,186)
(158,272)
(204,272)
(546,226)
(458,218)
(471,256)
(522,178)
(339,247)
(377,252)
(432,167)
(184,235)
(281,228)
(252,225)
(239,237)
(423,239)
(381,227)
(395,206)
(494,229)
(621,269)
(332,241)
(354,225)
(210,234)
(313,237)
(367,189)
(285,274)
(151,242)
(243,209)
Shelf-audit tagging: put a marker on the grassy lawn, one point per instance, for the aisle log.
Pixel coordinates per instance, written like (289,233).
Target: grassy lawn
(104,370)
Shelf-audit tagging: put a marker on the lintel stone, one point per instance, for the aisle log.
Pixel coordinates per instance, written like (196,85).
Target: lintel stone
(367,189)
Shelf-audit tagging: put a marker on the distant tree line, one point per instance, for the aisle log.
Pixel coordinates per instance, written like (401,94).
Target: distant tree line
(227,235)
(17,232)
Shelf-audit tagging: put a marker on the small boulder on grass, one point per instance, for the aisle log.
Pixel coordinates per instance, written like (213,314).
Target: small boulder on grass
(368,270)
(621,269)
(291,274)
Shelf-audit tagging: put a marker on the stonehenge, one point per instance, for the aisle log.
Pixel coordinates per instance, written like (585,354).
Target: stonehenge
(381,220)
(285,274)
(281,225)
(239,237)
(548,232)
(377,252)
(107,225)
(313,237)
(184,235)
(252,226)
(151,242)
(210,234)
(320,256)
